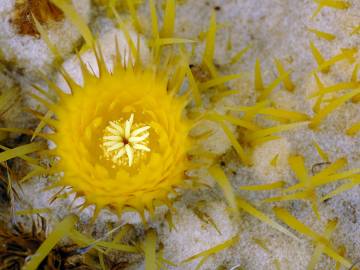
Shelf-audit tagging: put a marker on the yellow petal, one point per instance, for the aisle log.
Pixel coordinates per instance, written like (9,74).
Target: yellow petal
(130,154)
(139,130)
(138,139)
(141,147)
(115,146)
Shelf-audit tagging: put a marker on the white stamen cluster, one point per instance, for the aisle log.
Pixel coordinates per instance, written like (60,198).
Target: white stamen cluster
(125,141)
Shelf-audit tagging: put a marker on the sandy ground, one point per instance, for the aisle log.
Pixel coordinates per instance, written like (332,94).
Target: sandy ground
(275,29)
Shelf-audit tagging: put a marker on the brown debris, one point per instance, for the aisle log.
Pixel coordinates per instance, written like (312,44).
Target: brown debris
(7,192)
(18,243)
(200,73)
(43,10)
(4,187)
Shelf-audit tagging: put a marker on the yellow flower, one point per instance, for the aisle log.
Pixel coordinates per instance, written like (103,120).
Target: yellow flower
(121,138)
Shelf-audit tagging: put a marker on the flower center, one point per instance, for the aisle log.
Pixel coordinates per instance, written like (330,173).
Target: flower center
(125,143)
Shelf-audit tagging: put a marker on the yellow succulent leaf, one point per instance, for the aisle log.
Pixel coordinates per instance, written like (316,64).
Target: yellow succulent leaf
(273,130)
(258,81)
(292,222)
(210,40)
(274,185)
(247,207)
(150,250)
(289,85)
(323,113)
(321,152)
(213,250)
(354,129)
(322,34)
(218,174)
(20,151)
(61,230)
(297,165)
(76,19)
(169,19)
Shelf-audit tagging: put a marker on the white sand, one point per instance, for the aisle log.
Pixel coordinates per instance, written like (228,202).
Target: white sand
(276,29)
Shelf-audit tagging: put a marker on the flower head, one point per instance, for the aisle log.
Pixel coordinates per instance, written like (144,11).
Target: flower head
(122,137)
